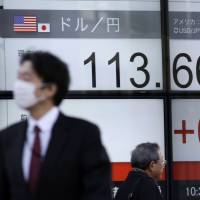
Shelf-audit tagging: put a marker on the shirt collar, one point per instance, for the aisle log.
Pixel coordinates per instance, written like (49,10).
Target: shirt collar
(46,122)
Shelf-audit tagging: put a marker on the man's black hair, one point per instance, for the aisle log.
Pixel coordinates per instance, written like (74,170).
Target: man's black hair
(51,70)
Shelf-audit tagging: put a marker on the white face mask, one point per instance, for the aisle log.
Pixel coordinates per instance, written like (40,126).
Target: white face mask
(24,94)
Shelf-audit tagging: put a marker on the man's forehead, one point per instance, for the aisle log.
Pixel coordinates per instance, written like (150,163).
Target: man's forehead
(25,67)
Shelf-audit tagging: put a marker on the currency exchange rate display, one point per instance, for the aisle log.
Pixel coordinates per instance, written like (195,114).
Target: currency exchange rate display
(184,20)
(186,146)
(108,46)
(124,123)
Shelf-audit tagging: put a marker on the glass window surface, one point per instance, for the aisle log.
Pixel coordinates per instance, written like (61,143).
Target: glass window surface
(186,140)
(184,18)
(108,46)
(123,124)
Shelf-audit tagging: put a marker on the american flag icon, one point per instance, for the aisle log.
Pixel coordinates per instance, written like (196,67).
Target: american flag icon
(25,24)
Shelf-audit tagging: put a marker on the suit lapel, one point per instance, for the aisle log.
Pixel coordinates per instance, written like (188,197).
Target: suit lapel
(57,142)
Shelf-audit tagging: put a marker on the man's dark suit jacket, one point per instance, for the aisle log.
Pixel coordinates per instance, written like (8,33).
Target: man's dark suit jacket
(76,166)
(138,186)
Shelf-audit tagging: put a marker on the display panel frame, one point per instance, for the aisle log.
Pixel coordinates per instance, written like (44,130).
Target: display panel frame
(138,91)
(166,94)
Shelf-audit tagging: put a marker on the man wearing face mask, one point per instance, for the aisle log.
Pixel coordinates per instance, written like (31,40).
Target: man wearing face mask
(50,156)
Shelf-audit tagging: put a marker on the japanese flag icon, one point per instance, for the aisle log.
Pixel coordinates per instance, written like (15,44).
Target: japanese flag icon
(43,27)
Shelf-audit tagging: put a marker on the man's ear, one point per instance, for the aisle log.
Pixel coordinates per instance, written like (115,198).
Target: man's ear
(151,165)
(52,89)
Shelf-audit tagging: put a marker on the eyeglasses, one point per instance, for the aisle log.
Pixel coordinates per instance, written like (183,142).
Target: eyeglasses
(164,162)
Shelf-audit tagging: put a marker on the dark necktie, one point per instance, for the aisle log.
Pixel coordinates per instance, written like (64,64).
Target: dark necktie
(35,163)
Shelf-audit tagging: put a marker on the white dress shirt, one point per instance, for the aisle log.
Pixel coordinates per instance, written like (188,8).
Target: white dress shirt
(45,124)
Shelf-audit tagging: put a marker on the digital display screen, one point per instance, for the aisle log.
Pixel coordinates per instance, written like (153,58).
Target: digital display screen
(186,147)
(123,124)
(109,46)
(124,120)
(184,26)
(184,20)
(83,4)
(106,49)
